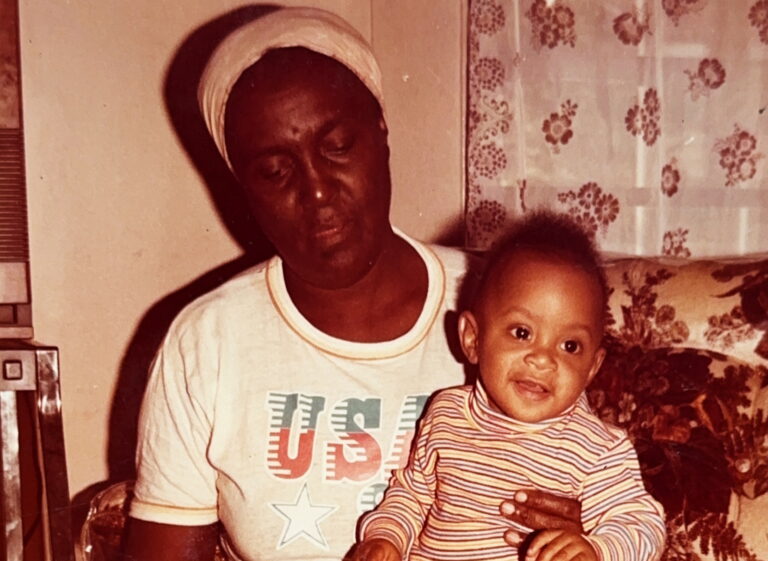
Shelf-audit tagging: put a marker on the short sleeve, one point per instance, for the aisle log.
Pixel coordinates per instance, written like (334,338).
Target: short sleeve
(176,483)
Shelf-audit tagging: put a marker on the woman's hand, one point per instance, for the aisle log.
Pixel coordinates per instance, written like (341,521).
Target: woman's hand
(541,511)
(560,545)
(376,549)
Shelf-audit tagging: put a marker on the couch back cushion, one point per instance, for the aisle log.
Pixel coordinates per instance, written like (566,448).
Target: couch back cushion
(686,375)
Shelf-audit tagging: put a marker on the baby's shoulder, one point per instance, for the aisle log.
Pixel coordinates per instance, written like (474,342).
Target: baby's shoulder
(597,431)
(452,398)
(452,393)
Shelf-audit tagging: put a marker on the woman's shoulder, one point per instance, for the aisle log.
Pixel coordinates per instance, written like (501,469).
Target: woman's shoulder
(454,260)
(242,291)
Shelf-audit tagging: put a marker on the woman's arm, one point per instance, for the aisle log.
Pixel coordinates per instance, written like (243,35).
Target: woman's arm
(150,541)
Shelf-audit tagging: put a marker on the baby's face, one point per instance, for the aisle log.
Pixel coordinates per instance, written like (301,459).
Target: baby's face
(536,335)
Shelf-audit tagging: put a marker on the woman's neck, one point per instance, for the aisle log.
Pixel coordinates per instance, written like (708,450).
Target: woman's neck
(381,306)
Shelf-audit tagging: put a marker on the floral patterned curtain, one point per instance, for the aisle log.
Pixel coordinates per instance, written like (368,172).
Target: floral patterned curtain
(647,120)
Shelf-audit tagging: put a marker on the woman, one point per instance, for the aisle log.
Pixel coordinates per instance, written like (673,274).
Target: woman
(279,402)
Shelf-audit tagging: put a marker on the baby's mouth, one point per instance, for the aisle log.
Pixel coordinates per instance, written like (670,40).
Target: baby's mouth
(531,389)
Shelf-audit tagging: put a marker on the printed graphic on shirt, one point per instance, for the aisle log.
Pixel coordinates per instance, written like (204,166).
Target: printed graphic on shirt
(285,410)
(354,455)
(412,408)
(358,456)
(302,519)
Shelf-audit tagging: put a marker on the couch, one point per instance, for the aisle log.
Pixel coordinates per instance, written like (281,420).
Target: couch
(686,375)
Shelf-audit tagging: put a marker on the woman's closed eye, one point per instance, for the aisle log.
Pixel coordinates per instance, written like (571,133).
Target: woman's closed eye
(274,169)
(337,149)
(339,142)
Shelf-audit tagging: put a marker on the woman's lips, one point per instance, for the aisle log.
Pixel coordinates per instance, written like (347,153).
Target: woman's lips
(331,233)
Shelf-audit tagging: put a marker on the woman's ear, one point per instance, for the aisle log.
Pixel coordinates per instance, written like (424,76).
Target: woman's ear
(469,335)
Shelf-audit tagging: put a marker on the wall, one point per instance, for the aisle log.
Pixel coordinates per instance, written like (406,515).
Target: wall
(123,230)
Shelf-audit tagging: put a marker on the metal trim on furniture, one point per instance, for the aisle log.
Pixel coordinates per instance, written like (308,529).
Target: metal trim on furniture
(29,366)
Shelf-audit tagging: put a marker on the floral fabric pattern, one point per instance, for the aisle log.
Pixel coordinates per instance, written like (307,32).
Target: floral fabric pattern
(670,178)
(487,219)
(551,25)
(738,156)
(758,18)
(676,9)
(557,127)
(692,413)
(644,121)
(674,243)
(631,27)
(710,75)
(753,293)
(660,103)
(590,206)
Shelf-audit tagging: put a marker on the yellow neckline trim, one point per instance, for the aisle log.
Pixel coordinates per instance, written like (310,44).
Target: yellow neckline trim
(362,351)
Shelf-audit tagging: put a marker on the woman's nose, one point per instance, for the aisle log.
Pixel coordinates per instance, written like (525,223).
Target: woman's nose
(319,185)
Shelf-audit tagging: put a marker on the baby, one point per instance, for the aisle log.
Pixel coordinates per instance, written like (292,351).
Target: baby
(535,331)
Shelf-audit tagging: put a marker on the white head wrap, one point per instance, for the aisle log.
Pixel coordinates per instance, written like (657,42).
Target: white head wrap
(313,29)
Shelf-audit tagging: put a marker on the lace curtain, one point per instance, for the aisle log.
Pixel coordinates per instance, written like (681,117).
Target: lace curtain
(647,120)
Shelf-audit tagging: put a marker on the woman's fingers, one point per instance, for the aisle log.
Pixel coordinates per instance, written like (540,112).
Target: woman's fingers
(539,510)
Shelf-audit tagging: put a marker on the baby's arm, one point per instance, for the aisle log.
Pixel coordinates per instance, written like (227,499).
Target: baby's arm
(376,549)
(388,532)
(560,545)
(622,520)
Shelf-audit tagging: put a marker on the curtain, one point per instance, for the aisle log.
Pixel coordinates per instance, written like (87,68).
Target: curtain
(646,120)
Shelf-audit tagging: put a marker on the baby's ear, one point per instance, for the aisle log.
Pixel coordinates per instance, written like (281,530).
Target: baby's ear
(469,335)
(597,362)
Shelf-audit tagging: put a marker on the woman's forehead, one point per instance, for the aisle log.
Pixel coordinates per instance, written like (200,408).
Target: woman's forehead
(296,73)
(299,65)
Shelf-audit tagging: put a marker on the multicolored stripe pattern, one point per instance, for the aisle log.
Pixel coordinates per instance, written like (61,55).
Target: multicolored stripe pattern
(467,458)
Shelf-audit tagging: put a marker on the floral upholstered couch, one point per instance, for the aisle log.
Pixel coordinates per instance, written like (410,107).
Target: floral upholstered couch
(687,376)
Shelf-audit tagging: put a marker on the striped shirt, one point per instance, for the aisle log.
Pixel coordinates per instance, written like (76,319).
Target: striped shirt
(467,458)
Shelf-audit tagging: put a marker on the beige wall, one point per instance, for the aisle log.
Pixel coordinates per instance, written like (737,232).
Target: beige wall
(119,218)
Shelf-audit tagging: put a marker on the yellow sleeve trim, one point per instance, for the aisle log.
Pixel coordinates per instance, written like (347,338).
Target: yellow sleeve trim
(168,514)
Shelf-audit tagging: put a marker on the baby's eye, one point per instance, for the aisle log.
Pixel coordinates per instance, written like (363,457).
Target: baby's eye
(571,346)
(521,333)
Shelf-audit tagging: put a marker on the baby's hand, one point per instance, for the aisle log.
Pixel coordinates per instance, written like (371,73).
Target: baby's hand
(376,549)
(560,545)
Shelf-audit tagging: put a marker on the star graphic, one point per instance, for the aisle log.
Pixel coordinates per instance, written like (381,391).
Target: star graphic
(302,519)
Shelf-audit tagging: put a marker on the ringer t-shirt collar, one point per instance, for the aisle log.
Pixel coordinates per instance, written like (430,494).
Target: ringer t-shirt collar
(433,305)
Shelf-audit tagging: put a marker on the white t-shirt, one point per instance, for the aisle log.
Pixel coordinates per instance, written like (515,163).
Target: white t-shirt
(254,417)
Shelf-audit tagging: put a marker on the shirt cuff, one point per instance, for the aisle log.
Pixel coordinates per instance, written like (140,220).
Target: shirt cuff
(176,515)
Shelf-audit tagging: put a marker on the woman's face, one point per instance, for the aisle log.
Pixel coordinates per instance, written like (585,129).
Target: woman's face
(308,144)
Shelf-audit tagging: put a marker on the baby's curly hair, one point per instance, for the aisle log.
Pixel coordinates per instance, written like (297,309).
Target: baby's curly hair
(548,233)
